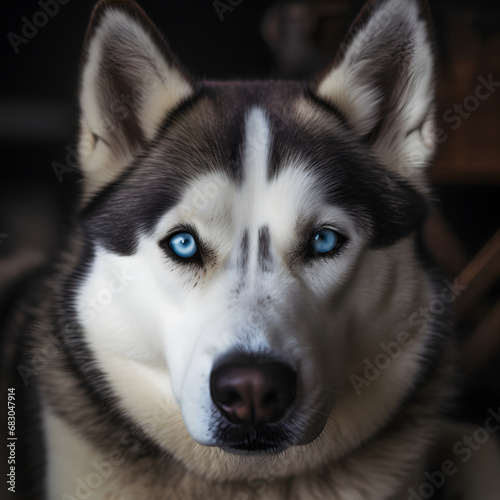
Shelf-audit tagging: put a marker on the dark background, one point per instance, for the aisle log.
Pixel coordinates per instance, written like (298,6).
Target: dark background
(257,39)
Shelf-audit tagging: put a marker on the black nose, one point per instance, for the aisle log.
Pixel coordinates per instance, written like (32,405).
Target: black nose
(253,393)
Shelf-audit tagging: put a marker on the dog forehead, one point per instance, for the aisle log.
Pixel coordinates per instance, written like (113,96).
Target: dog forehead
(258,199)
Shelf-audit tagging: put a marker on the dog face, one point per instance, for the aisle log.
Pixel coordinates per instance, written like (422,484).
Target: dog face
(253,242)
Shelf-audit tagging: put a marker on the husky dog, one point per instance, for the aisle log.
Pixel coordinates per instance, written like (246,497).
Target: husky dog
(237,313)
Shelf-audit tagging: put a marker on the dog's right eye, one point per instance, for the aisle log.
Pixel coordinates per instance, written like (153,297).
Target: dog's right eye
(324,241)
(183,245)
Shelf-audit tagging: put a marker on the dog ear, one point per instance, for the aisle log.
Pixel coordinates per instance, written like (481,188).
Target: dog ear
(130,81)
(382,82)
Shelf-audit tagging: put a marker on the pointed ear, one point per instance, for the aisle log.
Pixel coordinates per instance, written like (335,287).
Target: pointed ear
(382,83)
(130,82)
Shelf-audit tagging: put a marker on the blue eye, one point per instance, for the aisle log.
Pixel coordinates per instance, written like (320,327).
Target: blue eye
(324,241)
(183,245)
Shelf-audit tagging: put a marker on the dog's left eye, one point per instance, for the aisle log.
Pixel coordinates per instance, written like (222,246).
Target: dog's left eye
(324,241)
(183,245)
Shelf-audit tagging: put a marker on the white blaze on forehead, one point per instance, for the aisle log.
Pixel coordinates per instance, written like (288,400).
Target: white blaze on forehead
(259,196)
(274,202)
(255,183)
(255,159)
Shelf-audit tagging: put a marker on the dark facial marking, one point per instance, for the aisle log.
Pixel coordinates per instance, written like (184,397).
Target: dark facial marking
(264,252)
(243,256)
(242,263)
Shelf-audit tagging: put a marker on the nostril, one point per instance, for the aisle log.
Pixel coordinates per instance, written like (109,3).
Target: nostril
(231,398)
(253,393)
(270,398)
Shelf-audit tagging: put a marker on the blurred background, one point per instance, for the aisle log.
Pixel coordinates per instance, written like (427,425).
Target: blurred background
(41,44)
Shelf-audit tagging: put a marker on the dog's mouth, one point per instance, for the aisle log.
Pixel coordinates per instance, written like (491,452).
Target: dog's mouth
(268,439)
